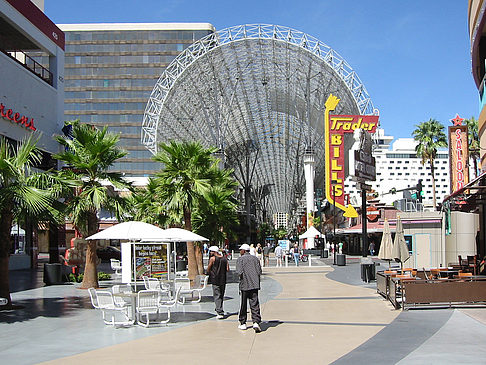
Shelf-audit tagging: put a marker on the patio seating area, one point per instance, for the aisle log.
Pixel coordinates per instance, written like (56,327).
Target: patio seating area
(122,306)
(434,287)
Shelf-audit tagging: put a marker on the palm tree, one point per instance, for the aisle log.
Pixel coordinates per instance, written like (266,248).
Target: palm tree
(19,196)
(182,182)
(147,207)
(473,139)
(216,216)
(88,156)
(430,136)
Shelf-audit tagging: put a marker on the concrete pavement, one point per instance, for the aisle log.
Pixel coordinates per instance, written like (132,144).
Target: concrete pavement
(318,315)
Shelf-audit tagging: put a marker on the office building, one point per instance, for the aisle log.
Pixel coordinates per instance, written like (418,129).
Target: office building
(32,97)
(110,71)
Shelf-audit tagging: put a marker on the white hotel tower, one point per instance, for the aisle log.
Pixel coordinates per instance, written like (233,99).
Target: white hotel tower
(399,167)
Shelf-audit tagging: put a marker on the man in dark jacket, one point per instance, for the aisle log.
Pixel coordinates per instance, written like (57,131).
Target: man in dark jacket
(249,270)
(217,268)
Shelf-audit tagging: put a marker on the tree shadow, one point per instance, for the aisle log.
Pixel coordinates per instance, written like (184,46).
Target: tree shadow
(28,309)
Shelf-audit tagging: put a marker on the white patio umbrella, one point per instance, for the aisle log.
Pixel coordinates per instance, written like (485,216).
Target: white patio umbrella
(130,231)
(386,246)
(400,249)
(180,235)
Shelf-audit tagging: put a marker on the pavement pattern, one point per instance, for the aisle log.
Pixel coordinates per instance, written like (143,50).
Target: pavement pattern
(322,314)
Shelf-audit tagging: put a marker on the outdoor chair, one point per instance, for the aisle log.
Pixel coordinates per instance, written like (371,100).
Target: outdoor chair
(116,266)
(463,275)
(462,263)
(201,282)
(472,263)
(184,284)
(149,303)
(169,304)
(434,273)
(103,300)
(155,284)
(123,288)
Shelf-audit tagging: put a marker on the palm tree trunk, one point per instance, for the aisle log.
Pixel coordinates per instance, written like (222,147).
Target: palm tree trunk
(199,259)
(433,182)
(90,277)
(192,269)
(5,227)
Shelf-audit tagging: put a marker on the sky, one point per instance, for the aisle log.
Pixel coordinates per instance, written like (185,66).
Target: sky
(412,56)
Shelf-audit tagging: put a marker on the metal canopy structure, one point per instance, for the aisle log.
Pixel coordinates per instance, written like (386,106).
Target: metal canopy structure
(257,92)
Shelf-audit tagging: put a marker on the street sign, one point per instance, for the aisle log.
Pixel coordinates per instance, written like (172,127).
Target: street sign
(364,166)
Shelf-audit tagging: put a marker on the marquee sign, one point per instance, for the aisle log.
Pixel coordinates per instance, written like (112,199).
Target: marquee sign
(336,126)
(17,118)
(458,154)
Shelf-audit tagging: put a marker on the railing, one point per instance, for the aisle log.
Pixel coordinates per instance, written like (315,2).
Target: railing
(28,62)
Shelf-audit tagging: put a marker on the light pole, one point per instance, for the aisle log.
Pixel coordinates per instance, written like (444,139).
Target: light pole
(333,182)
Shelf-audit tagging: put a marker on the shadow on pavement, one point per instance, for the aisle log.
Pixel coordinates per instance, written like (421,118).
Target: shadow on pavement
(29,309)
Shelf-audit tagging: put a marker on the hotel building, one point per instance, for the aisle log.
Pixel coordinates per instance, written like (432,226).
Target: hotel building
(110,71)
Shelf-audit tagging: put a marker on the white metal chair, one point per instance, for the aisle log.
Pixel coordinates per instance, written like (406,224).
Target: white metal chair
(201,283)
(151,283)
(149,303)
(183,285)
(103,300)
(115,266)
(122,288)
(155,284)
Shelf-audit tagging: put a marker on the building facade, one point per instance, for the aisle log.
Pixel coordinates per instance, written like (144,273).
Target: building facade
(477,33)
(110,71)
(280,219)
(32,96)
(398,167)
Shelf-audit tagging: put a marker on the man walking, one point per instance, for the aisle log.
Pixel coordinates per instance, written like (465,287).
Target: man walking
(217,268)
(249,270)
(266,255)
(278,255)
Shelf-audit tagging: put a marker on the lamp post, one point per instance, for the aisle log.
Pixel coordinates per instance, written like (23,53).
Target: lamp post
(333,182)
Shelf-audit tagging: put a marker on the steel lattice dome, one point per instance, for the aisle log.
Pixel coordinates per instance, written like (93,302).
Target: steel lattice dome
(257,92)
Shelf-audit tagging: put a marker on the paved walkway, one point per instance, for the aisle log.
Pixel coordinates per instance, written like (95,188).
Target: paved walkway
(312,315)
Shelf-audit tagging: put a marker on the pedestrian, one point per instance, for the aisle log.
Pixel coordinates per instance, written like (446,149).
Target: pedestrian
(372,248)
(217,268)
(266,255)
(205,249)
(252,250)
(340,245)
(296,254)
(249,270)
(259,253)
(278,255)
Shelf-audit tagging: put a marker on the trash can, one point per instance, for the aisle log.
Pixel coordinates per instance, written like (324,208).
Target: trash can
(181,265)
(52,274)
(341,259)
(367,272)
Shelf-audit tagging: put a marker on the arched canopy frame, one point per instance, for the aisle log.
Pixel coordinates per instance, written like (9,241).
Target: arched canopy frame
(262,86)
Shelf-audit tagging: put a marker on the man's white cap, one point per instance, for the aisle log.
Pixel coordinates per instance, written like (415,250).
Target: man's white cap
(214,248)
(245,247)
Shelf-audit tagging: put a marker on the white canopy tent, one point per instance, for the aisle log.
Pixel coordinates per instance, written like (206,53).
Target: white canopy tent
(311,232)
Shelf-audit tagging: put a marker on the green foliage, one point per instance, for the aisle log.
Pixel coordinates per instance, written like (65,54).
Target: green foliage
(264,231)
(102,276)
(89,155)
(430,136)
